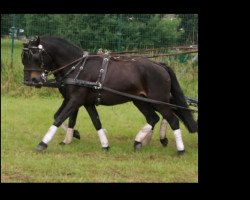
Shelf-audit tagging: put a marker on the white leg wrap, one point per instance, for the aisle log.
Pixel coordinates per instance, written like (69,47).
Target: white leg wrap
(50,134)
(178,140)
(143,132)
(103,138)
(64,127)
(163,128)
(147,138)
(69,136)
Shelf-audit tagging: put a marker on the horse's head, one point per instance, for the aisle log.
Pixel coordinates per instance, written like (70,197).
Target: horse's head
(36,62)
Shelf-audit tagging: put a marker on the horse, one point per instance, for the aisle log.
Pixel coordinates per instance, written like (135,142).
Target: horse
(31,73)
(88,80)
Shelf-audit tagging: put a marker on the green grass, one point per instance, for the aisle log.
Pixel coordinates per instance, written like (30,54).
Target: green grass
(26,120)
(6,70)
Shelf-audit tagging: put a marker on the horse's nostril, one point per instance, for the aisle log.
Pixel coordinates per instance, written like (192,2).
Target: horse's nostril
(35,80)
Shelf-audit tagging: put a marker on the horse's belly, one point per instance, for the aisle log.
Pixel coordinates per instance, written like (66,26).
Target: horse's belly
(110,99)
(106,98)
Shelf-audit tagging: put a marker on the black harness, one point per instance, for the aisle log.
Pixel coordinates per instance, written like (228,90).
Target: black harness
(98,85)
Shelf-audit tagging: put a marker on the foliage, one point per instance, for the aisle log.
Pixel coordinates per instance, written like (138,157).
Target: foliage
(117,32)
(189,27)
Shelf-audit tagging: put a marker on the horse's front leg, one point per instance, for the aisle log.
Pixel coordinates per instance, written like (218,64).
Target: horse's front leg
(91,109)
(70,129)
(72,121)
(71,106)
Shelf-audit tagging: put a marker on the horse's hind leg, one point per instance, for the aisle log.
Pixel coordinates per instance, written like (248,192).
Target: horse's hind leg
(91,109)
(146,132)
(163,130)
(175,126)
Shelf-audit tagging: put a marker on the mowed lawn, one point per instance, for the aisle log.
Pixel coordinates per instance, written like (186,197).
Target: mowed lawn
(24,122)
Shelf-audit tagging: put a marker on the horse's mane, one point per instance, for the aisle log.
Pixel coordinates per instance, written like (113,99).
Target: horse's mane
(60,41)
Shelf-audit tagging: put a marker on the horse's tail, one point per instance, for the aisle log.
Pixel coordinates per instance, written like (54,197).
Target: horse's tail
(178,98)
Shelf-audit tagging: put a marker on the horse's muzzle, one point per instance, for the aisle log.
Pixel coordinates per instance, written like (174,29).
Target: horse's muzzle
(30,83)
(37,79)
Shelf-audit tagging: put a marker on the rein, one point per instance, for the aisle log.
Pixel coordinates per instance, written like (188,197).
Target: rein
(65,66)
(146,99)
(98,86)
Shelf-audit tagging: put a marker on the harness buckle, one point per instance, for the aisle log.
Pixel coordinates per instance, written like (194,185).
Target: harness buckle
(44,77)
(98,86)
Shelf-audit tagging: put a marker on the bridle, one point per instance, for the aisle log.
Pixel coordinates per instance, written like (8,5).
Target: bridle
(41,53)
(29,52)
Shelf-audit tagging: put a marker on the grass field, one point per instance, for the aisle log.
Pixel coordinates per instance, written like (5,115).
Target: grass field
(24,122)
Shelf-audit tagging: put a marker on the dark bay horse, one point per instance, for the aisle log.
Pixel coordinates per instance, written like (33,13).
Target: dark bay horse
(81,78)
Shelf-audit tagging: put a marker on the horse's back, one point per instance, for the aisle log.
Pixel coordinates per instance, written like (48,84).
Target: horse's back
(140,76)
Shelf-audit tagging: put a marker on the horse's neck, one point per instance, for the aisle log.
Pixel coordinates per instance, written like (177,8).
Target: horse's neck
(61,53)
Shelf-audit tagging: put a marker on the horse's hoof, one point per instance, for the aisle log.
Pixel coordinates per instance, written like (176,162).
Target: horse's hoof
(62,143)
(76,134)
(164,142)
(41,147)
(180,153)
(106,148)
(137,146)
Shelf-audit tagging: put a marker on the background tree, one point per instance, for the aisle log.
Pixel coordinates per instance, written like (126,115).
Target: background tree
(110,31)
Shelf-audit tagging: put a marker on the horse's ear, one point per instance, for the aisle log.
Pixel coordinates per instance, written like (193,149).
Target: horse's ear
(25,44)
(37,40)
